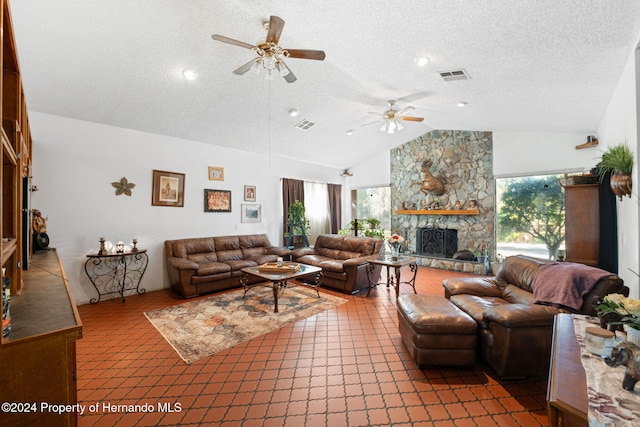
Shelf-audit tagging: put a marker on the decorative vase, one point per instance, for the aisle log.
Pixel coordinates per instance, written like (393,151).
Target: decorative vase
(621,184)
(633,336)
(395,252)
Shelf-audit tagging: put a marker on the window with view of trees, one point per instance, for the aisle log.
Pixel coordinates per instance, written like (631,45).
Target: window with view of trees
(371,203)
(530,216)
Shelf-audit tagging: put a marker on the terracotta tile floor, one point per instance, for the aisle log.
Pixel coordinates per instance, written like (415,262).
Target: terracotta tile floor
(343,367)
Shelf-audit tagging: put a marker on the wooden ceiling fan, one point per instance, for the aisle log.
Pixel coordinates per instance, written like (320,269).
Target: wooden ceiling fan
(391,118)
(270,54)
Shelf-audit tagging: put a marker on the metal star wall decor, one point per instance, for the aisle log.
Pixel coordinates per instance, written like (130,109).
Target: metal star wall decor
(123,187)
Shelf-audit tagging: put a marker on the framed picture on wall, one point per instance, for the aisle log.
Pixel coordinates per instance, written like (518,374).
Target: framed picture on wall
(217,200)
(216,173)
(249,193)
(251,213)
(168,189)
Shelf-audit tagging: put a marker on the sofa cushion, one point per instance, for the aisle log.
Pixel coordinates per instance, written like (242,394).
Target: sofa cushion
(239,264)
(475,306)
(226,243)
(335,266)
(344,255)
(358,245)
(520,271)
(254,241)
(251,252)
(224,256)
(516,295)
(184,247)
(207,269)
(203,258)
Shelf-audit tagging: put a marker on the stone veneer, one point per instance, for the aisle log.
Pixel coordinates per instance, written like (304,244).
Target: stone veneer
(464,160)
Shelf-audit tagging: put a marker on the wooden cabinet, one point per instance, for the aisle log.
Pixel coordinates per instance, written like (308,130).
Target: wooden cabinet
(38,356)
(582,227)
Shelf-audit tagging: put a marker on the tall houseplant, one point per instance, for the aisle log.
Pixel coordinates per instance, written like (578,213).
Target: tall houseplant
(297,221)
(617,160)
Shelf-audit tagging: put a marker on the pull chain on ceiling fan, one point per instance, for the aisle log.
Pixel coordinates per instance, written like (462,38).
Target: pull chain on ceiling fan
(270,54)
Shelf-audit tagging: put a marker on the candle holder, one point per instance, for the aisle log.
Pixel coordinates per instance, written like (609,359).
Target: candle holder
(103,248)
(134,242)
(120,248)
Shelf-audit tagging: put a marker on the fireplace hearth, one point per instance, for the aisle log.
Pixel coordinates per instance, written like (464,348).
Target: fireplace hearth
(436,242)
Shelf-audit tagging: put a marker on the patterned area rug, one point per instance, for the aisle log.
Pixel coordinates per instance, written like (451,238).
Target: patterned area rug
(202,328)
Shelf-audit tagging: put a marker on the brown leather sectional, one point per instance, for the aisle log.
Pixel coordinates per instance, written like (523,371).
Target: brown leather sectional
(514,333)
(343,259)
(201,265)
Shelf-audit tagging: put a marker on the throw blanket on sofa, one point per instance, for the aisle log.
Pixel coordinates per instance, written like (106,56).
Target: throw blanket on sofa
(564,284)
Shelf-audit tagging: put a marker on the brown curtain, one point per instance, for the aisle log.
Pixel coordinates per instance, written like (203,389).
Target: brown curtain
(292,190)
(335,206)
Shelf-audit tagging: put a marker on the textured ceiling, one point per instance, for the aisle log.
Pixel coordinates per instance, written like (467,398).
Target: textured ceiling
(545,65)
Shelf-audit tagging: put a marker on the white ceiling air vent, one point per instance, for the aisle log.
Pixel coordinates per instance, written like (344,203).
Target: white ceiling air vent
(305,124)
(452,75)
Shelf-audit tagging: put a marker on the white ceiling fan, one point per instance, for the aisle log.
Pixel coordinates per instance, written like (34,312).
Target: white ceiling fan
(391,119)
(270,56)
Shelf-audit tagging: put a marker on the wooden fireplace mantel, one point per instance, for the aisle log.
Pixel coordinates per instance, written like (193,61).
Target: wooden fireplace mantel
(439,212)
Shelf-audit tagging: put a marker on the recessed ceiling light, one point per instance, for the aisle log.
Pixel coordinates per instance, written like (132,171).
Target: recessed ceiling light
(350,132)
(189,74)
(293,112)
(421,61)
(462,104)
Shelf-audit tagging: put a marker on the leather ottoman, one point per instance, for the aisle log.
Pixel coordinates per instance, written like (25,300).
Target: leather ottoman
(435,331)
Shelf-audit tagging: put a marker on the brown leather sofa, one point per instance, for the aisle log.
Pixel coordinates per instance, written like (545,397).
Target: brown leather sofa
(343,259)
(201,265)
(515,333)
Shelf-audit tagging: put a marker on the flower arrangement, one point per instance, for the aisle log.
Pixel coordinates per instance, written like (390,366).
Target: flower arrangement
(395,240)
(625,309)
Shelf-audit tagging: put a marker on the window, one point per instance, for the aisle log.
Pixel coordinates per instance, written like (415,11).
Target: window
(530,216)
(374,203)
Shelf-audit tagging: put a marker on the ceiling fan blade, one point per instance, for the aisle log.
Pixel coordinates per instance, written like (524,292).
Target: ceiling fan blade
(276,24)
(288,74)
(404,110)
(246,67)
(318,55)
(224,39)
(373,122)
(411,119)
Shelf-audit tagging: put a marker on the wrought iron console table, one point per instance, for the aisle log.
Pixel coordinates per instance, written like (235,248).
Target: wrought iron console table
(116,273)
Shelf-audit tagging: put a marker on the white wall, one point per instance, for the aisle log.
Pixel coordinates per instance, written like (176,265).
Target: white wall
(620,124)
(75,162)
(533,153)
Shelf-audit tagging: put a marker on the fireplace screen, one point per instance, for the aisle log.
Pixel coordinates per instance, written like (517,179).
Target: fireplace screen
(437,242)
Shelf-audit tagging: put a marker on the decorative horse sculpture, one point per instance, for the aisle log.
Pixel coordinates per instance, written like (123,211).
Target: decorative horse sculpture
(430,184)
(626,354)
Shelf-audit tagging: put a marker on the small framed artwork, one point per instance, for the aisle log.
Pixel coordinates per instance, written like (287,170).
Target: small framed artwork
(217,200)
(168,189)
(251,213)
(249,193)
(216,173)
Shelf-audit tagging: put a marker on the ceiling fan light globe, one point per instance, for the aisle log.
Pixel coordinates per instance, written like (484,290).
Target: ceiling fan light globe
(269,62)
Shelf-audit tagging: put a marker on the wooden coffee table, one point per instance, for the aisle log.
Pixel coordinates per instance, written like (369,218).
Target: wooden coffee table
(279,281)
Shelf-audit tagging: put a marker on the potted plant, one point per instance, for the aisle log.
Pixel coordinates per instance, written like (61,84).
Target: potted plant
(617,160)
(297,221)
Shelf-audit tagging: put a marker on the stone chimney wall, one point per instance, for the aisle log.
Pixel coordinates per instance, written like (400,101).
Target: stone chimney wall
(463,161)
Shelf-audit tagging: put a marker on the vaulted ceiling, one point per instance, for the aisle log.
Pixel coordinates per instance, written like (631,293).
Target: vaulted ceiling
(544,65)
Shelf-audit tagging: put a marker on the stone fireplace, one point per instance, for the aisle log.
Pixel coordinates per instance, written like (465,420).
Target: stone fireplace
(463,161)
(436,242)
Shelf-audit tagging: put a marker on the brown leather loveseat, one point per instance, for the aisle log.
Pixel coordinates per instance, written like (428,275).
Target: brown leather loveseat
(201,265)
(343,259)
(515,309)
